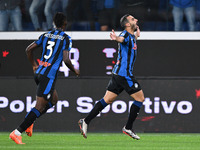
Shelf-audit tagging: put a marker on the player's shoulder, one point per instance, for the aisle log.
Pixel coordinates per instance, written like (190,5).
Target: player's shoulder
(66,36)
(124,34)
(57,34)
(43,34)
(48,34)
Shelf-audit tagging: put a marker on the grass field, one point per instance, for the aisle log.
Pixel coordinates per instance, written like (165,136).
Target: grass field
(102,141)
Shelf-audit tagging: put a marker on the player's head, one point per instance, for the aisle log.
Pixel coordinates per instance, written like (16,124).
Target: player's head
(128,21)
(60,20)
(124,20)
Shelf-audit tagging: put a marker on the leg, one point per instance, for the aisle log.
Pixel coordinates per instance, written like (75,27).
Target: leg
(138,96)
(133,88)
(99,106)
(178,18)
(64,6)
(29,119)
(33,114)
(33,13)
(113,90)
(55,98)
(51,103)
(135,108)
(134,111)
(16,19)
(48,13)
(4,17)
(190,16)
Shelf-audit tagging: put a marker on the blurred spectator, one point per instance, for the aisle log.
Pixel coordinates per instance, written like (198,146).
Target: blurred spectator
(152,8)
(60,6)
(198,10)
(165,10)
(89,14)
(108,12)
(33,10)
(181,7)
(10,11)
(198,15)
(80,10)
(137,8)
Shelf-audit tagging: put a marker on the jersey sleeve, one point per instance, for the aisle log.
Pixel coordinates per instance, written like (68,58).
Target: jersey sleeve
(39,41)
(125,35)
(67,44)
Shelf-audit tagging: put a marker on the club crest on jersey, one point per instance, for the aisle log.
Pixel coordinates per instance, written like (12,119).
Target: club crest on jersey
(48,96)
(135,47)
(136,85)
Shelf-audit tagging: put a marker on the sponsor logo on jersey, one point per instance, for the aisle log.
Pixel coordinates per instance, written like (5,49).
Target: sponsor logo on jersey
(45,64)
(49,35)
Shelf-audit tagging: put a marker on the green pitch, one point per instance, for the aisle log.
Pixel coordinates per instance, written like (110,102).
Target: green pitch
(102,141)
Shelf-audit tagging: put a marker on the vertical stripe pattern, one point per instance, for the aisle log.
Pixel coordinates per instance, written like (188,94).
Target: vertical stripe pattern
(53,44)
(126,55)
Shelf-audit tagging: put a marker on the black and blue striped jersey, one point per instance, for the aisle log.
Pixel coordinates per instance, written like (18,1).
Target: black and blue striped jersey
(53,44)
(127,53)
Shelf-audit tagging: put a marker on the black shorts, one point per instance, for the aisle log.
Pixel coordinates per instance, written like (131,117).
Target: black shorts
(118,83)
(45,86)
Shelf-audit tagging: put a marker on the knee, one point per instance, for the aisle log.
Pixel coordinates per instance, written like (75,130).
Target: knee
(40,109)
(140,98)
(108,101)
(32,10)
(47,11)
(53,102)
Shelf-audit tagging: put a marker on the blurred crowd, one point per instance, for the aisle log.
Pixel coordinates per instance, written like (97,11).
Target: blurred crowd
(100,15)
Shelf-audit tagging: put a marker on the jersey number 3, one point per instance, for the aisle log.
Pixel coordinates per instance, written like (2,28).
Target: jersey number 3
(50,48)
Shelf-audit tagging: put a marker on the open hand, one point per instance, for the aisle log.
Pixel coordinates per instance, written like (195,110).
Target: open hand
(113,35)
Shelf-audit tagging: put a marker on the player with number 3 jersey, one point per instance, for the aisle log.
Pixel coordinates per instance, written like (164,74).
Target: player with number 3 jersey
(53,44)
(56,46)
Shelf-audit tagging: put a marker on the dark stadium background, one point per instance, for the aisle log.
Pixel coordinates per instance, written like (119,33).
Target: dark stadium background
(166,69)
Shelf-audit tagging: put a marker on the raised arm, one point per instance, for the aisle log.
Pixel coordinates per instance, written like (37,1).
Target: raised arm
(137,33)
(114,37)
(29,53)
(68,63)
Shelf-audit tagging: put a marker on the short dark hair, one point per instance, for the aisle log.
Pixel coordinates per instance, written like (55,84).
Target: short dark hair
(124,20)
(59,19)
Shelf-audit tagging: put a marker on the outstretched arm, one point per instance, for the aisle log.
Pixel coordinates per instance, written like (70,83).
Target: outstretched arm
(114,37)
(29,53)
(68,63)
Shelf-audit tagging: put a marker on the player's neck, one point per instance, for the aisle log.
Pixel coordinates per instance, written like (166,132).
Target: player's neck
(60,29)
(131,31)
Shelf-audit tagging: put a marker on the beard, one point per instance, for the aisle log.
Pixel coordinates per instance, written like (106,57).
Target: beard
(134,26)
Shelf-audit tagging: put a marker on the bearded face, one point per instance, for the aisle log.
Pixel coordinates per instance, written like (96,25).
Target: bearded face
(132,22)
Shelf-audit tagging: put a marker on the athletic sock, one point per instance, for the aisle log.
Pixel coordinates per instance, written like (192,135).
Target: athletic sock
(49,105)
(134,111)
(29,119)
(17,132)
(99,106)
